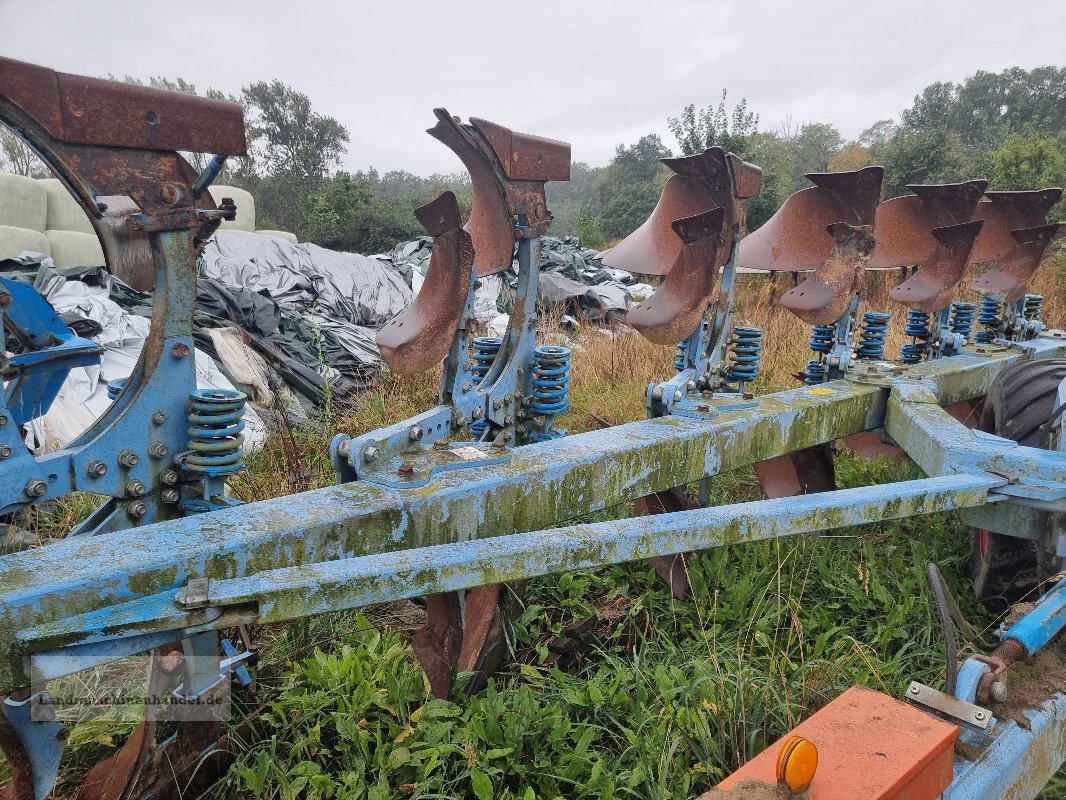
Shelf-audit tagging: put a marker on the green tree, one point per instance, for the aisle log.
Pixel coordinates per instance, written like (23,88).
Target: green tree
(346,214)
(812,148)
(628,188)
(697,129)
(772,153)
(569,200)
(1028,160)
(924,155)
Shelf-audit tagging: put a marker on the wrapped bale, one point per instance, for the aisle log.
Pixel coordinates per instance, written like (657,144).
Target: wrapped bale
(75,249)
(245,220)
(13,241)
(64,213)
(286,235)
(23,203)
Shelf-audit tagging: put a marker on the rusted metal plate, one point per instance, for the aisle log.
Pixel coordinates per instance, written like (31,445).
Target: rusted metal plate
(672,569)
(82,110)
(796,238)
(826,293)
(1004,212)
(672,313)
(903,226)
(19,784)
(933,286)
(701,182)
(1011,277)
(420,336)
(526,157)
(803,472)
(437,645)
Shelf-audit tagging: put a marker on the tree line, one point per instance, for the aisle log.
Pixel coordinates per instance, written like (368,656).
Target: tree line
(1008,127)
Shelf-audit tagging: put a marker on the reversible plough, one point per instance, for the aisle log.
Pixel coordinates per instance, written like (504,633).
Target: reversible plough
(479,491)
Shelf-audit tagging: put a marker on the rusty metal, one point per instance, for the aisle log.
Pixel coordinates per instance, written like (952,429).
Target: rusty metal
(804,471)
(420,336)
(1004,212)
(796,238)
(507,171)
(1010,278)
(672,313)
(672,569)
(825,295)
(701,183)
(20,776)
(934,285)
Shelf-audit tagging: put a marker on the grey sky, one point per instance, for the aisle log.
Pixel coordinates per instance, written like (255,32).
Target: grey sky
(596,74)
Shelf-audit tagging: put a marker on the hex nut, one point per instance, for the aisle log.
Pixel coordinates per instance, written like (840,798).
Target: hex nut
(370,454)
(157,450)
(96,468)
(168,477)
(159,417)
(35,487)
(128,458)
(5,451)
(138,508)
(170,496)
(135,489)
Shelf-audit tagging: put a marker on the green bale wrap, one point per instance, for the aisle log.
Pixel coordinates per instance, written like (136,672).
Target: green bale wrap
(23,203)
(75,249)
(64,213)
(14,240)
(245,207)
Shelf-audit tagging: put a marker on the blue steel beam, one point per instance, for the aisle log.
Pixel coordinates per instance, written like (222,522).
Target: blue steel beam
(293,592)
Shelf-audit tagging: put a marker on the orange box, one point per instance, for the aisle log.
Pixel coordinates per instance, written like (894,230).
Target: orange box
(870,747)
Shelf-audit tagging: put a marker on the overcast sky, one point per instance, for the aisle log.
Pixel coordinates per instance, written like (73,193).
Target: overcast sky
(596,74)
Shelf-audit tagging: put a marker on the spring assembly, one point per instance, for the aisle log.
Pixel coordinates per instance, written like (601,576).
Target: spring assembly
(917,328)
(679,356)
(551,381)
(872,338)
(216,417)
(822,337)
(483,352)
(745,352)
(115,387)
(1032,306)
(962,319)
(815,373)
(988,317)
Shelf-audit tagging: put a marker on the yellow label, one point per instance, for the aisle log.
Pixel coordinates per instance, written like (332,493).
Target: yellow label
(819,391)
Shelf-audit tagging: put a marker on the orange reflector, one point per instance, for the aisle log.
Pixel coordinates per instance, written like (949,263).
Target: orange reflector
(796,763)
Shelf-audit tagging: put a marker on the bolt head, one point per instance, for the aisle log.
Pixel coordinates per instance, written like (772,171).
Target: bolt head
(677,396)
(180,350)
(414,434)
(371,454)
(5,298)
(168,477)
(915,690)
(128,458)
(157,450)
(5,451)
(979,715)
(3,420)
(159,417)
(406,468)
(170,496)
(96,468)
(35,487)
(476,413)
(137,509)
(135,489)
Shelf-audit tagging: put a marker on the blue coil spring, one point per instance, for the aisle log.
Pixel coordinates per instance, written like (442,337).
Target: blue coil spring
(679,356)
(815,373)
(745,351)
(477,430)
(216,433)
(917,328)
(1033,306)
(962,318)
(115,387)
(872,337)
(988,318)
(483,352)
(822,337)
(551,381)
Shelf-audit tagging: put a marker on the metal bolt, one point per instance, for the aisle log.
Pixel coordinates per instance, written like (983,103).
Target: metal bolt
(135,489)
(467,387)
(5,451)
(157,449)
(169,193)
(35,487)
(96,468)
(159,417)
(128,458)
(180,350)
(344,448)
(170,496)
(915,690)
(5,298)
(691,386)
(476,413)
(168,477)
(677,396)
(3,420)
(371,454)
(979,715)
(414,434)
(406,468)
(138,508)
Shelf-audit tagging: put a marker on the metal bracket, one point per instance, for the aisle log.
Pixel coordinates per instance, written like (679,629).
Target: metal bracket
(952,709)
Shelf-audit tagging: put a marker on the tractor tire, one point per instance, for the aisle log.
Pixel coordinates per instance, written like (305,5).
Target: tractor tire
(1005,569)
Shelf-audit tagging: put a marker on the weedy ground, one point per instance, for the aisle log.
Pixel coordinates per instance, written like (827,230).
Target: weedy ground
(615,689)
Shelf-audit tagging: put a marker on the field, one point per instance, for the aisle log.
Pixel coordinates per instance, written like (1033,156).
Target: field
(615,688)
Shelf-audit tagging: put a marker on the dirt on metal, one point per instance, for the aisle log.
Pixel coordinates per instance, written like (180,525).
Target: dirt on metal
(754,789)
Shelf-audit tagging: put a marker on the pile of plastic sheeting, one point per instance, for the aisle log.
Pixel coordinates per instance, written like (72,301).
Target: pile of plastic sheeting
(87,308)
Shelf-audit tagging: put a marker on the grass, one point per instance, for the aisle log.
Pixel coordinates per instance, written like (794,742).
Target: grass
(616,689)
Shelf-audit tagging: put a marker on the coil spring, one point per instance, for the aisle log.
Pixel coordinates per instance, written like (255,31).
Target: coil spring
(483,352)
(962,319)
(551,381)
(917,327)
(115,387)
(815,373)
(1033,306)
(745,351)
(679,356)
(216,434)
(872,337)
(988,318)
(822,337)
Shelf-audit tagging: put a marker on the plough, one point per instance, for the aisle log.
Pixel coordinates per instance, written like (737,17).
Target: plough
(482,489)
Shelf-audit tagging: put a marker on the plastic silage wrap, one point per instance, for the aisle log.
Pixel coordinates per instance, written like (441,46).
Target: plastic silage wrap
(13,241)
(64,213)
(75,249)
(23,202)
(245,220)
